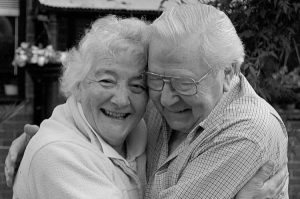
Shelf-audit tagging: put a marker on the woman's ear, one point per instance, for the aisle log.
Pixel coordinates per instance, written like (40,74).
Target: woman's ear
(228,75)
(78,93)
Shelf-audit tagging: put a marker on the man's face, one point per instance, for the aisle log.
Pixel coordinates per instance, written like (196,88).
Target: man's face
(183,60)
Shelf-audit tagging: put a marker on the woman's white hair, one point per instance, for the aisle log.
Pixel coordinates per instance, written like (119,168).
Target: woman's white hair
(106,39)
(220,45)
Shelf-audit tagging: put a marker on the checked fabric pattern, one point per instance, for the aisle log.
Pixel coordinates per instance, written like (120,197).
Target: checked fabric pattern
(222,152)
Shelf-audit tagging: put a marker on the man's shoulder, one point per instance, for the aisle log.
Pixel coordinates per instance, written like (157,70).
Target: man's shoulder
(252,117)
(250,107)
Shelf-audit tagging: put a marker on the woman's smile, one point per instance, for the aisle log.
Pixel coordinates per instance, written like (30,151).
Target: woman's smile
(114,115)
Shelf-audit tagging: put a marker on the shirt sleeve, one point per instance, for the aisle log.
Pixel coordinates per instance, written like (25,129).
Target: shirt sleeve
(218,172)
(68,170)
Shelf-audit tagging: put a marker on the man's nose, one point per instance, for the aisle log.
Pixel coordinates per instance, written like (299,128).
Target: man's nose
(121,96)
(168,95)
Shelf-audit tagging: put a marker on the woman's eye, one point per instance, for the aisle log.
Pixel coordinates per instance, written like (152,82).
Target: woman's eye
(137,88)
(107,82)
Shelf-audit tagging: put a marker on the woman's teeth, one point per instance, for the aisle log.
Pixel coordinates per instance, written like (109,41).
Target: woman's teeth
(115,115)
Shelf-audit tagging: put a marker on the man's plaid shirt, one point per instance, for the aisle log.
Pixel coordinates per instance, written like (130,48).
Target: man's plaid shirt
(222,153)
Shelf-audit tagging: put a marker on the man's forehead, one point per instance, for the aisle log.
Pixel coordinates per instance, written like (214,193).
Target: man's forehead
(179,52)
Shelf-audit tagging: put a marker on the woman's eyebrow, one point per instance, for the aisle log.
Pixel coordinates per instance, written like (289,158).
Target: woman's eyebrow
(104,72)
(139,76)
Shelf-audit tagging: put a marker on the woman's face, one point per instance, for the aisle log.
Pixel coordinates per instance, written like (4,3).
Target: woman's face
(114,97)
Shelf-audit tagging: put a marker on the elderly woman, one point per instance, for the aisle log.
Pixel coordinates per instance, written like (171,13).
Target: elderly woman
(93,146)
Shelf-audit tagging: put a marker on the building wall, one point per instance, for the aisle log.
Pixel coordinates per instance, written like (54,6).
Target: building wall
(292,121)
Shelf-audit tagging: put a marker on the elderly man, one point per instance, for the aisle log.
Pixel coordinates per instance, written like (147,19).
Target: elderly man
(216,131)
(210,132)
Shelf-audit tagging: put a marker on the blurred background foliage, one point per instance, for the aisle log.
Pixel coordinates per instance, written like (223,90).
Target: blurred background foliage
(270,31)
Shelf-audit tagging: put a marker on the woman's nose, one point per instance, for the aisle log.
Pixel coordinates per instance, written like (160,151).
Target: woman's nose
(121,97)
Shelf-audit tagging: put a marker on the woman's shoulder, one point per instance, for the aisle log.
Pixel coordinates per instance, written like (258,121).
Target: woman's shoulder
(60,149)
(64,165)
(64,151)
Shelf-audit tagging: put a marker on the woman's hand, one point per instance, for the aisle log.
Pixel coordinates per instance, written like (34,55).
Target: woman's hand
(261,186)
(16,151)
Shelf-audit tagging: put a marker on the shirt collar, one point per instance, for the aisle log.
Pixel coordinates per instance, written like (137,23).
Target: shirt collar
(135,142)
(211,119)
(224,101)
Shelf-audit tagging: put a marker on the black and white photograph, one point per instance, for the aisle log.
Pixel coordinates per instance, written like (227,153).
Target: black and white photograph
(149,99)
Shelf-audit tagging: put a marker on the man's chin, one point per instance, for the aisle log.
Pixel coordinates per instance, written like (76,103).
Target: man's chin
(180,126)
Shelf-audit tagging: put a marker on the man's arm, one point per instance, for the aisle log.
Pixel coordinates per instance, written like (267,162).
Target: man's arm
(219,171)
(16,151)
(260,186)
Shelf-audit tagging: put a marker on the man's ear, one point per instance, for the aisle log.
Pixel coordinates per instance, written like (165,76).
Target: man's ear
(228,75)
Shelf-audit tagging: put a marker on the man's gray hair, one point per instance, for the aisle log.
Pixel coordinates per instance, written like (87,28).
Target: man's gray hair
(220,45)
(107,38)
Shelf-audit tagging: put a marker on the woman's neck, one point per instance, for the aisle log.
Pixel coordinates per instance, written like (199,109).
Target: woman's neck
(121,150)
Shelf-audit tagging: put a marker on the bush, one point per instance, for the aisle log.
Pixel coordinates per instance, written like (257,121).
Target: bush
(270,30)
